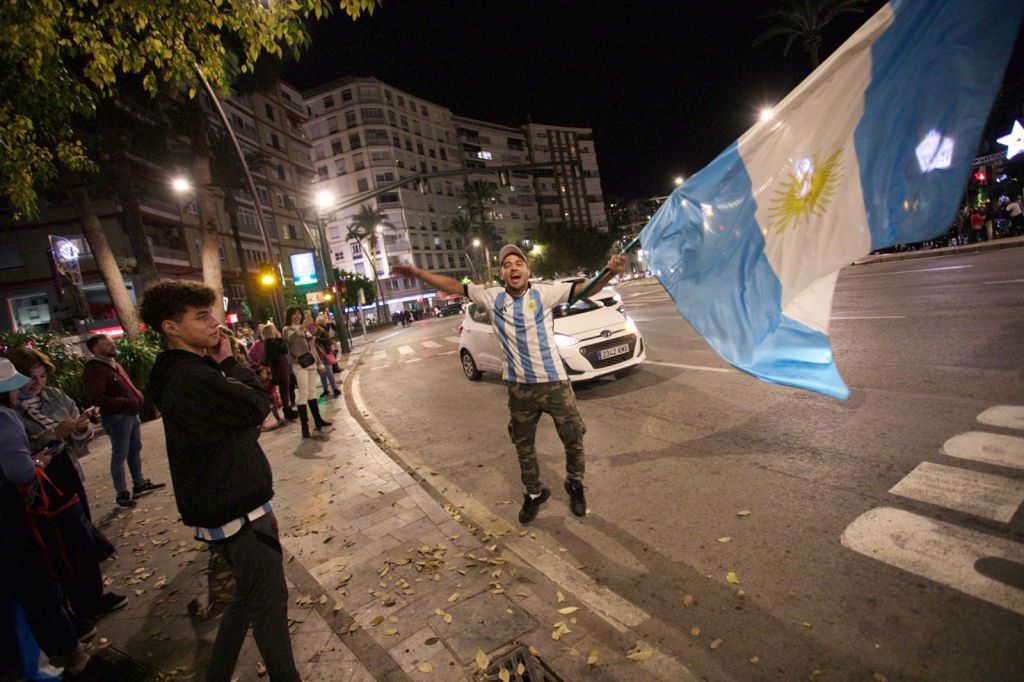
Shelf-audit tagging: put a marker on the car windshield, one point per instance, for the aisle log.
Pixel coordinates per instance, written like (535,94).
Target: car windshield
(581,306)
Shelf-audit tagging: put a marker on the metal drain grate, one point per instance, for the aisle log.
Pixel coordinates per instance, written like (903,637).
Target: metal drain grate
(534,669)
(122,667)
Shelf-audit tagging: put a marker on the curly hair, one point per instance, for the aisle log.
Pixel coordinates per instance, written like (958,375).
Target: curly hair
(170,300)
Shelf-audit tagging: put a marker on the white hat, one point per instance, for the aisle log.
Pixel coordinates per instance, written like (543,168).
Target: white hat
(10,379)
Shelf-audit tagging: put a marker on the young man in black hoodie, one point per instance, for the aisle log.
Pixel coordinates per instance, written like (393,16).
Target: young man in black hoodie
(211,408)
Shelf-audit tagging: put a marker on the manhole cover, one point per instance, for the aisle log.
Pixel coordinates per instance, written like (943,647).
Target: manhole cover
(532,667)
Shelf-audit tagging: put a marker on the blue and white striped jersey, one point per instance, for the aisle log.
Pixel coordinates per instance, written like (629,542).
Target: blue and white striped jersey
(526,330)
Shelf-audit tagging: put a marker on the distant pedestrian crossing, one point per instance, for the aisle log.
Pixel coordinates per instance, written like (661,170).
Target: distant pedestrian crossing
(411,352)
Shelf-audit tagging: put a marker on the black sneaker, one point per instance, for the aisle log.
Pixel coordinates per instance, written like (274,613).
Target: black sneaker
(531,505)
(110,602)
(147,487)
(577,501)
(85,629)
(124,500)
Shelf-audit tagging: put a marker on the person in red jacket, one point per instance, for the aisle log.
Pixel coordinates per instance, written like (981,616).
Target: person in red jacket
(108,387)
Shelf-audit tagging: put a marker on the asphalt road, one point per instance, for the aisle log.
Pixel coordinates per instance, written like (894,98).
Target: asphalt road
(869,548)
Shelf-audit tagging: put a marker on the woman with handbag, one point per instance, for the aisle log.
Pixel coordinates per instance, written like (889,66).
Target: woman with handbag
(24,575)
(322,341)
(305,362)
(51,419)
(275,354)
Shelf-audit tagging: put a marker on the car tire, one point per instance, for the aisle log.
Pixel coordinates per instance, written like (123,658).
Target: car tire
(469,366)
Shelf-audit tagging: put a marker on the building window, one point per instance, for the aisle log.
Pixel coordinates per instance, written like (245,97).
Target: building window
(270,111)
(408,145)
(339,166)
(350,119)
(383,178)
(372,115)
(484,154)
(274,141)
(358,163)
(405,123)
(419,148)
(281,174)
(362,184)
(332,125)
(323,172)
(336,147)
(346,95)
(329,102)
(353,141)
(262,192)
(291,232)
(391,118)
(443,154)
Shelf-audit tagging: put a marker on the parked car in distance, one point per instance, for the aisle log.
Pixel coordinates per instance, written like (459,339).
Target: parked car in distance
(450,309)
(594,337)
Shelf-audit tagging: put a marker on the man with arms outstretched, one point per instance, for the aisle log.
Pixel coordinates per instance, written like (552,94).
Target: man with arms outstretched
(521,314)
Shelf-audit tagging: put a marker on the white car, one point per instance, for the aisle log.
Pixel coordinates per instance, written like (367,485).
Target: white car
(594,337)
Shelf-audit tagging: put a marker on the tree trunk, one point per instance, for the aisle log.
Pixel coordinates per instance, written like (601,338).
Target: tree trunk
(131,214)
(92,230)
(231,207)
(206,201)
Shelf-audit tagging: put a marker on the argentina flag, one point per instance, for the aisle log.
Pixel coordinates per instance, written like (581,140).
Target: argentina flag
(872,149)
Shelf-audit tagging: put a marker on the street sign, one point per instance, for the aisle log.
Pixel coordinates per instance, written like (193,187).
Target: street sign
(315,297)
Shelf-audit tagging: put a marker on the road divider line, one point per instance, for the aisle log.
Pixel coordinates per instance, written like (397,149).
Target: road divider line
(1006,416)
(405,350)
(943,552)
(1004,281)
(701,368)
(910,272)
(868,317)
(991,448)
(985,495)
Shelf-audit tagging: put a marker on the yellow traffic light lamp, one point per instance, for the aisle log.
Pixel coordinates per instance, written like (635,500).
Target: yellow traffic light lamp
(328,297)
(267,277)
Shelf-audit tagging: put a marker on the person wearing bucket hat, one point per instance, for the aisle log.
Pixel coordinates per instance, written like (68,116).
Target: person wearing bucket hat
(521,313)
(24,577)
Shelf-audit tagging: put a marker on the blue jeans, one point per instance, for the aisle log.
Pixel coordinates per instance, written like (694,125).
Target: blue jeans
(125,445)
(327,379)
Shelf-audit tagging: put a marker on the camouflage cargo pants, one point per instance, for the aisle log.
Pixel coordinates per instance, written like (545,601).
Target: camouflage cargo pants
(526,403)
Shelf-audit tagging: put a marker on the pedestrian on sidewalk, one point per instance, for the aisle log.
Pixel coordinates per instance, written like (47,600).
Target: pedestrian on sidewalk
(52,422)
(108,387)
(322,342)
(306,365)
(276,358)
(1015,212)
(24,576)
(522,316)
(212,408)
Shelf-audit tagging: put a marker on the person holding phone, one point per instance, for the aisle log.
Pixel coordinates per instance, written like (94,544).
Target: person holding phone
(306,364)
(108,387)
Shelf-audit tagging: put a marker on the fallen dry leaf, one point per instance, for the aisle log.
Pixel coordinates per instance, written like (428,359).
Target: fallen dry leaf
(520,668)
(447,618)
(754,660)
(455,597)
(565,611)
(732,577)
(743,512)
(724,539)
(425,667)
(390,632)
(592,658)
(879,677)
(695,631)
(716,643)
(807,625)
(688,601)
(560,597)
(504,675)
(482,659)
(641,655)
(559,629)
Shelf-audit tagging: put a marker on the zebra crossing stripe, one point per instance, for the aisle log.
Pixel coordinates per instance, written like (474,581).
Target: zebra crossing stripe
(1006,416)
(939,551)
(986,495)
(991,448)
(431,344)
(453,339)
(405,350)
(381,356)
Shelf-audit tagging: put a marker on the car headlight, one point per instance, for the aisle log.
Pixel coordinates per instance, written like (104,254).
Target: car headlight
(564,340)
(631,325)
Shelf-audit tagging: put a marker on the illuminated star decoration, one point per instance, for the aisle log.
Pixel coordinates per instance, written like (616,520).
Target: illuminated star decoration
(1014,142)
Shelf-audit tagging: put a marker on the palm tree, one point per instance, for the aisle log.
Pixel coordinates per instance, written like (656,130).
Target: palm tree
(364,226)
(480,195)
(227,175)
(462,227)
(804,20)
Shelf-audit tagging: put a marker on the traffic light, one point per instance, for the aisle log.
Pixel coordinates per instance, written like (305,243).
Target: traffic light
(328,297)
(267,277)
(980,176)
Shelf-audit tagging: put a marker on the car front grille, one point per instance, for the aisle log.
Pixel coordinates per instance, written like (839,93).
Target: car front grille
(590,352)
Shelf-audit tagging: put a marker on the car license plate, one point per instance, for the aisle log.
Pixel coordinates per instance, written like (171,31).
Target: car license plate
(612,352)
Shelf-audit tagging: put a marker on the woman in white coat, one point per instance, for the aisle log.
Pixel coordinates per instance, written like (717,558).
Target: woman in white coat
(306,363)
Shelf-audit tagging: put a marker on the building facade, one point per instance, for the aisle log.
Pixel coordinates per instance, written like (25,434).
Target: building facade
(269,124)
(570,192)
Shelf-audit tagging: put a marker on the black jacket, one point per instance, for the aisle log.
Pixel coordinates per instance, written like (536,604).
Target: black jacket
(211,413)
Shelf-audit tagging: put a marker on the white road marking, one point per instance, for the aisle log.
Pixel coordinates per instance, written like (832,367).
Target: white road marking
(431,344)
(868,317)
(447,352)
(702,368)
(992,448)
(413,360)
(1007,416)
(405,350)
(986,495)
(1004,281)
(938,551)
(910,272)
(381,356)
(453,339)
(656,292)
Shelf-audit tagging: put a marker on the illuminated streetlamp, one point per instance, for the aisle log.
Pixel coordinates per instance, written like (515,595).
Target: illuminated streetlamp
(767,113)
(679,180)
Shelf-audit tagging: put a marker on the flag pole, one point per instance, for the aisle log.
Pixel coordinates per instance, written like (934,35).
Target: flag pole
(633,245)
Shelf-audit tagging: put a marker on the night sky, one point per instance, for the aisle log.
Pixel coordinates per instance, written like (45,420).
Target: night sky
(666,85)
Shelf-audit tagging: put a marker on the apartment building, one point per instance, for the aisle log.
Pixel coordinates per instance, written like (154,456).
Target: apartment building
(569,192)
(267,123)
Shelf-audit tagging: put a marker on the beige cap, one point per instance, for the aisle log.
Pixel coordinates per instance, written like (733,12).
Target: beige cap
(508,250)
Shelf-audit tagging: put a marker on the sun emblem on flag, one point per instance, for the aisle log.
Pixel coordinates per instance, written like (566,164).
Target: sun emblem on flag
(807,192)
